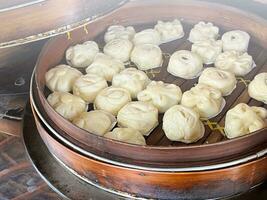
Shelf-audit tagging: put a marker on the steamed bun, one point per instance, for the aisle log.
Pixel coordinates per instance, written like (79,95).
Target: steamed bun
(170,30)
(112,99)
(119,32)
(66,104)
(147,56)
(161,95)
(203,31)
(138,115)
(82,55)
(132,80)
(257,89)
(182,124)
(119,49)
(220,79)
(105,66)
(235,40)
(205,100)
(185,64)
(61,78)
(97,122)
(147,36)
(208,50)
(233,61)
(88,86)
(243,119)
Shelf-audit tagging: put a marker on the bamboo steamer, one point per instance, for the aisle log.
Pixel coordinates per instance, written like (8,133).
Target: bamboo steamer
(213,167)
(160,151)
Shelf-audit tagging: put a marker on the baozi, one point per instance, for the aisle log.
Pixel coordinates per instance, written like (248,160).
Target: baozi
(147,36)
(169,31)
(119,32)
(203,31)
(88,86)
(112,99)
(208,50)
(97,122)
(105,66)
(185,64)
(236,41)
(257,89)
(233,61)
(82,55)
(147,56)
(205,100)
(182,124)
(119,49)
(243,119)
(161,95)
(132,80)
(127,135)
(66,104)
(138,115)
(222,80)
(61,78)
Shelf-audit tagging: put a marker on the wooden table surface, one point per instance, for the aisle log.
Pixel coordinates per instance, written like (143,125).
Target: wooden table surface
(18,179)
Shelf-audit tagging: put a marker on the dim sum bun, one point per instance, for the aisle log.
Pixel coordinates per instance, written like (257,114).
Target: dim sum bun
(170,30)
(257,89)
(185,64)
(147,56)
(205,100)
(161,95)
(222,80)
(66,104)
(243,119)
(97,122)
(105,66)
(112,99)
(88,86)
(132,80)
(119,32)
(61,78)
(119,49)
(147,36)
(138,115)
(208,50)
(236,41)
(82,55)
(203,31)
(233,61)
(182,124)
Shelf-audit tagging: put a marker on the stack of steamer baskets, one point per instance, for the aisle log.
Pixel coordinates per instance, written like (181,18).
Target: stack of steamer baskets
(213,167)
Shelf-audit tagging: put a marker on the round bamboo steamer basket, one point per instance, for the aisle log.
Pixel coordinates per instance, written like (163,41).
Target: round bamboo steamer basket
(160,151)
(213,167)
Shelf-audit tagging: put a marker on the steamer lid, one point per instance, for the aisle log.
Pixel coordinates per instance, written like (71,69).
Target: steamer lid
(24,21)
